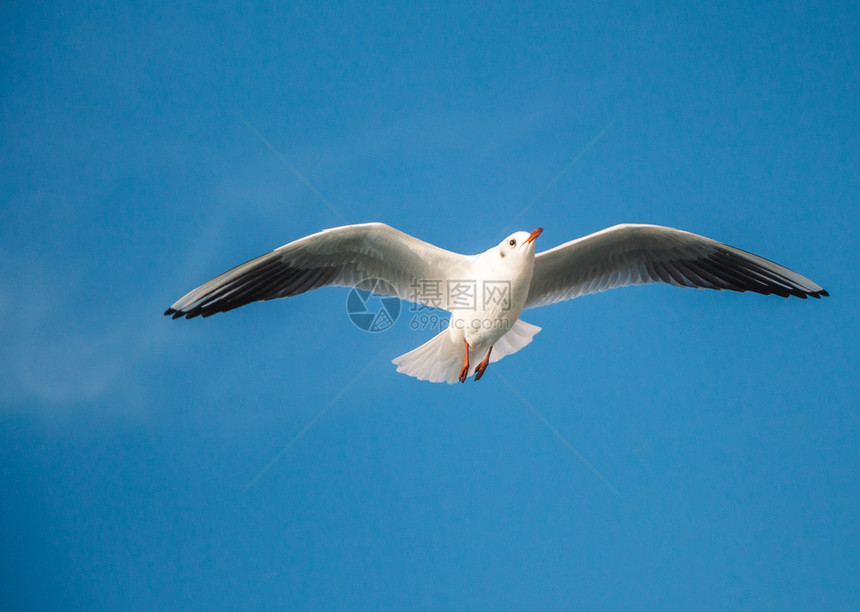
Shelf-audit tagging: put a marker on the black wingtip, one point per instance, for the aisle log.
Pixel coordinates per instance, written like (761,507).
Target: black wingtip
(178,314)
(823,293)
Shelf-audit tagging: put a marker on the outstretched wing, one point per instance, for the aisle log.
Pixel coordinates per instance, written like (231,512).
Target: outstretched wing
(341,256)
(637,254)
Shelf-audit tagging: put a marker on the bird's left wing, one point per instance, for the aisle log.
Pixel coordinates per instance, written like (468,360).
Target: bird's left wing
(637,254)
(341,256)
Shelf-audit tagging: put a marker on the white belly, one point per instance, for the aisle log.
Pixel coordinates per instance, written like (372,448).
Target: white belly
(481,329)
(482,326)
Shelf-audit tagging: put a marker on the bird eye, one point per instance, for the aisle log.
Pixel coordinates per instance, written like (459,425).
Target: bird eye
(513,242)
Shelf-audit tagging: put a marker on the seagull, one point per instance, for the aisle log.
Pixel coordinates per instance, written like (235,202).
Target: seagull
(486,293)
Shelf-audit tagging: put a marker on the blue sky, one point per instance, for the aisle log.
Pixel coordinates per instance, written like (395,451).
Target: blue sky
(652,448)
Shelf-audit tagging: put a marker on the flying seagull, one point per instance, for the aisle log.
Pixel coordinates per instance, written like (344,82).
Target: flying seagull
(486,293)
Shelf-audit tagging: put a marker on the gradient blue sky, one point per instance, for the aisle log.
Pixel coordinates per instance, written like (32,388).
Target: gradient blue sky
(710,454)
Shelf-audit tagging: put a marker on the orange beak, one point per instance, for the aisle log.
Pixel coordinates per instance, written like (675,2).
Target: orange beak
(534,235)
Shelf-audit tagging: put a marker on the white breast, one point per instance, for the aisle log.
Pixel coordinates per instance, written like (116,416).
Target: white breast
(498,294)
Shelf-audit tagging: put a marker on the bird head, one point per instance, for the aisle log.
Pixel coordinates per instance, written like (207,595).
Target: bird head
(519,245)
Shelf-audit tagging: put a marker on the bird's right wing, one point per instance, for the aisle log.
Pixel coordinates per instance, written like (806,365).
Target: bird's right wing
(637,254)
(346,256)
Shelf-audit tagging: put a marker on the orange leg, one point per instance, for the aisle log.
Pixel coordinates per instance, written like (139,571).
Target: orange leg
(464,371)
(479,371)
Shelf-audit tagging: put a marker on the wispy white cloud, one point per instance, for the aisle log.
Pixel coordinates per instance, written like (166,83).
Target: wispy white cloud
(79,328)
(59,356)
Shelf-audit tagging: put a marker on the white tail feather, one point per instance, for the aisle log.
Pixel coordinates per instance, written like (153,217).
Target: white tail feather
(440,359)
(517,337)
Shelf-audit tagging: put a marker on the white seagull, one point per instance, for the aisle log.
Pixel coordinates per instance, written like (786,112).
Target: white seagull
(486,293)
